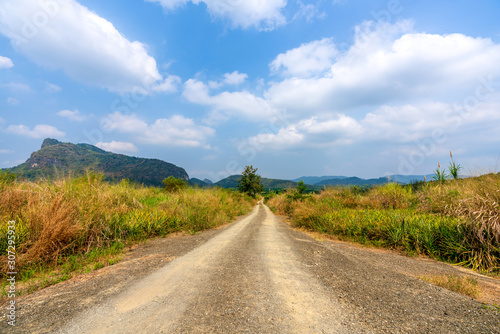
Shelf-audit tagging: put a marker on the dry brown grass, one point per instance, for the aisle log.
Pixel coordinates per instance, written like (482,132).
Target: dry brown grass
(69,217)
(53,227)
(478,201)
(464,285)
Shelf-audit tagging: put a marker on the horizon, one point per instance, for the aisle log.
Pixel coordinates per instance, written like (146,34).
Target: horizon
(341,87)
(269,177)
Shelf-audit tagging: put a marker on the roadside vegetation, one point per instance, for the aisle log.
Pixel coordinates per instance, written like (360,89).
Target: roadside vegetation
(464,285)
(453,220)
(81,224)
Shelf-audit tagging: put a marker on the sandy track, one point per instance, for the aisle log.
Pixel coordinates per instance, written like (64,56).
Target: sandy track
(260,276)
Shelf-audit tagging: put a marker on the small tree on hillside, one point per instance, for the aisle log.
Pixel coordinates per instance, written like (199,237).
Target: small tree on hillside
(301,187)
(249,181)
(173,184)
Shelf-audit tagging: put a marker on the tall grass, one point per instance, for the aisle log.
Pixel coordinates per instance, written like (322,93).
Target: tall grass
(58,220)
(454,220)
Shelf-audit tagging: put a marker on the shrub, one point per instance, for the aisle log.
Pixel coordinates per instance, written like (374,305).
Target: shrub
(173,184)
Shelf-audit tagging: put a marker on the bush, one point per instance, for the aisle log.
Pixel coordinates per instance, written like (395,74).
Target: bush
(173,184)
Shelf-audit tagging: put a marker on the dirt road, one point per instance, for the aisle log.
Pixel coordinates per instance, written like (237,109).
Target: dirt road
(260,276)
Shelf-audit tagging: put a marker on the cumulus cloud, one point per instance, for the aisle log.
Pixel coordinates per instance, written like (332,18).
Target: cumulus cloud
(388,64)
(308,59)
(240,104)
(169,85)
(5,62)
(235,78)
(117,147)
(72,115)
(39,131)
(284,138)
(66,35)
(264,15)
(402,127)
(312,132)
(174,131)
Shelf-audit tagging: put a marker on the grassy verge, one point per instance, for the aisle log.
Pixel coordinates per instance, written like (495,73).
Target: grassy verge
(77,225)
(464,285)
(456,221)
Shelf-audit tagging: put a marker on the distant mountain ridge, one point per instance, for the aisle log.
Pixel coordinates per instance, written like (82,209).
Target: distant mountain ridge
(268,184)
(56,158)
(315,182)
(356,181)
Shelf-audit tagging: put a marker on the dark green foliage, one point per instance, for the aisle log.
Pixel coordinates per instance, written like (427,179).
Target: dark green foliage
(7,177)
(301,187)
(173,184)
(250,182)
(56,160)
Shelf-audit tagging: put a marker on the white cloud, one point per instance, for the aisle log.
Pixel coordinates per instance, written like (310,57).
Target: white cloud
(5,62)
(264,15)
(309,12)
(39,131)
(117,147)
(235,78)
(243,104)
(52,88)
(86,46)
(72,115)
(6,151)
(308,59)
(12,101)
(174,131)
(389,64)
(313,132)
(17,87)
(284,138)
(398,128)
(169,85)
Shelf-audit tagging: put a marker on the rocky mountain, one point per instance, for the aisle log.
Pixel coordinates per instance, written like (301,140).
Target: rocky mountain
(56,159)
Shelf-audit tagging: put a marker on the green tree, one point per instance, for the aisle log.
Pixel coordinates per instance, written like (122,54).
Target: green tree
(249,182)
(173,184)
(7,177)
(301,187)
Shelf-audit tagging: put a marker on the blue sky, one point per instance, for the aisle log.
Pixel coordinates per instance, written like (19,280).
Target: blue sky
(295,88)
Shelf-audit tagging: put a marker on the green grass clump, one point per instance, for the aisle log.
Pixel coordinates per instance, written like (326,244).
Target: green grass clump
(451,220)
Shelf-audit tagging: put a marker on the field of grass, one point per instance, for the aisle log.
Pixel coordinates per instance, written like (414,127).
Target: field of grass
(456,221)
(82,224)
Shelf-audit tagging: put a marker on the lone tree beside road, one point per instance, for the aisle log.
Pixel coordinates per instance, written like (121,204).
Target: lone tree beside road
(249,182)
